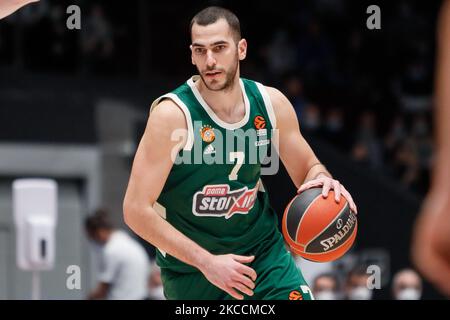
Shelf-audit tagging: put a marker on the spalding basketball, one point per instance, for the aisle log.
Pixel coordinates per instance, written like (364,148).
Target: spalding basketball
(317,228)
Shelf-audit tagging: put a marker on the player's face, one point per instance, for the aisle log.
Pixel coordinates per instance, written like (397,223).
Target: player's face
(216,54)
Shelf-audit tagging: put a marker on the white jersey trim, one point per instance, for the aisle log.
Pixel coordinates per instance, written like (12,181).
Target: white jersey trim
(161,211)
(187,114)
(212,114)
(268,104)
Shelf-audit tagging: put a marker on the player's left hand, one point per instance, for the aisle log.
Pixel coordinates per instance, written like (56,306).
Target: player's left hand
(329,183)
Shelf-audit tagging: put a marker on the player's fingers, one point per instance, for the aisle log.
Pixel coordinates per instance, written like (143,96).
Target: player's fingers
(243,259)
(242,288)
(326,188)
(302,188)
(245,280)
(349,198)
(337,190)
(248,271)
(308,185)
(233,293)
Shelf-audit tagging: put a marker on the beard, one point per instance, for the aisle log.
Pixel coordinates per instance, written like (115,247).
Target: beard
(230,76)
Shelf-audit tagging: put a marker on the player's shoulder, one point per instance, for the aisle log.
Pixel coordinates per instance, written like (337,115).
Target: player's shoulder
(273,92)
(167,112)
(282,107)
(275,95)
(278,99)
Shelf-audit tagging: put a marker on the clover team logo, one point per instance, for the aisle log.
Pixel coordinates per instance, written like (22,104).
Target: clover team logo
(207,134)
(220,201)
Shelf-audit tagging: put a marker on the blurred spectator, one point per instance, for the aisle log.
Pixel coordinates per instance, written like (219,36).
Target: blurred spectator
(412,154)
(415,91)
(333,129)
(356,285)
(155,287)
(406,163)
(422,136)
(326,287)
(124,264)
(280,54)
(367,148)
(310,122)
(62,51)
(395,136)
(407,285)
(294,92)
(97,41)
(315,54)
(311,270)
(424,150)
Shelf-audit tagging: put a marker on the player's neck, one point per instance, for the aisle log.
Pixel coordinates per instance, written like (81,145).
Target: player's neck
(226,102)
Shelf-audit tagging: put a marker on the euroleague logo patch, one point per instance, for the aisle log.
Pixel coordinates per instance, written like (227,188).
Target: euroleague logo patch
(295,295)
(259,122)
(207,134)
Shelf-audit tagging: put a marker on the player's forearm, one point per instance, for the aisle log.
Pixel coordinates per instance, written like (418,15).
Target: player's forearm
(146,223)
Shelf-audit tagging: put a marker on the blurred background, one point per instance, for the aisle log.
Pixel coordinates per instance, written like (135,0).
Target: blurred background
(74,103)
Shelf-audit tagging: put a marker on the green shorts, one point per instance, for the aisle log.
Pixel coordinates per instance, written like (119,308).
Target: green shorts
(278,278)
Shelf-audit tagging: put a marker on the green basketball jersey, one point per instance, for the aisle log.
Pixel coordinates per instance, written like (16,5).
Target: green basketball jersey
(213,193)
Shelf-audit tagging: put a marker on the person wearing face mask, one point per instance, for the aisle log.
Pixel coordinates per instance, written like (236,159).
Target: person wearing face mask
(356,285)
(325,287)
(407,285)
(311,118)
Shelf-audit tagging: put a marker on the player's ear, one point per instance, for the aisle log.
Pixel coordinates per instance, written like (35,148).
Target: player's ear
(242,49)
(192,54)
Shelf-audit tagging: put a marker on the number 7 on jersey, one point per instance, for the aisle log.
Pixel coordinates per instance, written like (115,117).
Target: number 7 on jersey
(239,156)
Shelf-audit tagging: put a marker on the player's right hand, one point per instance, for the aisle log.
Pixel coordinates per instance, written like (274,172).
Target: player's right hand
(229,273)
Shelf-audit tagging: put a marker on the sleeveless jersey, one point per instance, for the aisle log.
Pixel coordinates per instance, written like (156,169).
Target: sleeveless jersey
(213,194)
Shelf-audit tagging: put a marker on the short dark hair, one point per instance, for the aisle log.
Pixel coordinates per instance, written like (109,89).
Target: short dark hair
(99,220)
(210,15)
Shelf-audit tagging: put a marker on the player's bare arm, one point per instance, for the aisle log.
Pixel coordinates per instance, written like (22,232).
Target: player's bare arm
(152,164)
(431,242)
(301,163)
(8,7)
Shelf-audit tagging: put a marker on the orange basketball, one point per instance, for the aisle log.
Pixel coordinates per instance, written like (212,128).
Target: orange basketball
(317,228)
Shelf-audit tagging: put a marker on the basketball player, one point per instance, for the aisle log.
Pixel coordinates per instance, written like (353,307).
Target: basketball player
(9,6)
(215,231)
(431,245)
